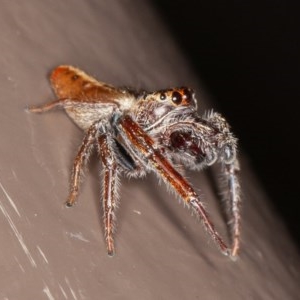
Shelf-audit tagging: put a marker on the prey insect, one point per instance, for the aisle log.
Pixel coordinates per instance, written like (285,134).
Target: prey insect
(136,133)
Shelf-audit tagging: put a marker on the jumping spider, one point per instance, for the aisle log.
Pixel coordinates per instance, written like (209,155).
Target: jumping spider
(136,133)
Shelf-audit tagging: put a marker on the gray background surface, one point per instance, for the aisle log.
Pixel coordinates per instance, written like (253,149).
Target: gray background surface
(50,252)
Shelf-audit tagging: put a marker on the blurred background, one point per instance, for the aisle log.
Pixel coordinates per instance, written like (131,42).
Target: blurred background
(246,54)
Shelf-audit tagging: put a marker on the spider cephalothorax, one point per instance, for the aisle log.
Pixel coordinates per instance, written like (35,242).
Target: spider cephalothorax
(135,133)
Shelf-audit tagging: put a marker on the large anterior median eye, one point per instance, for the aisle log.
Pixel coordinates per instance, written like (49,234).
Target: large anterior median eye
(176,97)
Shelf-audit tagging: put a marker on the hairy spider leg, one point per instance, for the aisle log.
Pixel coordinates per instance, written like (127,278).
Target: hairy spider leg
(146,145)
(110,172)
(47,106)
(233,202)
(83,153)
(110,186)
(79,162)
(231,171)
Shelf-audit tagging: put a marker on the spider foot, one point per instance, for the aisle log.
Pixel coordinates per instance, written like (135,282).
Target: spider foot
(72,199)
(45,107)
(235,249)
(68,204)
(233,257)
(201,212)
(110,253)
(110,248)
(34,109)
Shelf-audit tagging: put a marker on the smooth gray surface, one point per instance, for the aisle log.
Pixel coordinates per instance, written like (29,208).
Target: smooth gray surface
(51,252)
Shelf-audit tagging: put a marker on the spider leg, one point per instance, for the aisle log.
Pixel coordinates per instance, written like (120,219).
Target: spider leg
(109,189)
(231,172)
(145,145)
(47,106)
(80,159)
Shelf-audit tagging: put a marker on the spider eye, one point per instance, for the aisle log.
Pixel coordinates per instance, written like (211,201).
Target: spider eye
(187,95)
(162,96)
(176,97)
(75,77)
